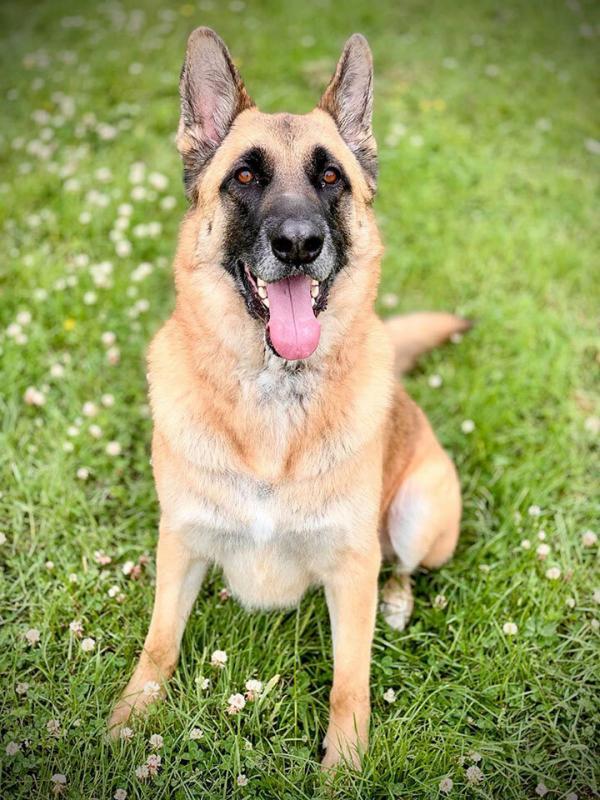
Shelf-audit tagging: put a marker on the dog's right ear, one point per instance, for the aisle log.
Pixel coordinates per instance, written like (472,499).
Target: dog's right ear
(212,95)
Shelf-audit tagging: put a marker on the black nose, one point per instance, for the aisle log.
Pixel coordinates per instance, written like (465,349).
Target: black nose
(296,241)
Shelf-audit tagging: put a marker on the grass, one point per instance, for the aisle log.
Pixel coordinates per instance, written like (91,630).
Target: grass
(485,118)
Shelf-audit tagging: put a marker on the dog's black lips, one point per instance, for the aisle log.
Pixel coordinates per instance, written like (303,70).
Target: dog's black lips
(249,290)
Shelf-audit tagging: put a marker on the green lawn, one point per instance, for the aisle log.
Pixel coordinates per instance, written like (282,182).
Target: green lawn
(487,119)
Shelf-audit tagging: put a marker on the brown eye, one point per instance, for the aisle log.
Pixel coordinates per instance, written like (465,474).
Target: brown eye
(331,176)
(244,176)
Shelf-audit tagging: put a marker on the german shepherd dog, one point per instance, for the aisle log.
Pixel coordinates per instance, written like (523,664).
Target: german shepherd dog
(284,449)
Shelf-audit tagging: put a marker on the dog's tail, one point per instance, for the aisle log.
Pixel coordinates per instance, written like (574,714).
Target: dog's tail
(415,334)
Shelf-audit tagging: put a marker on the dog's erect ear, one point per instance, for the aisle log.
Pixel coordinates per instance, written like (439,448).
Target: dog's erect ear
(212,95)
(349,100)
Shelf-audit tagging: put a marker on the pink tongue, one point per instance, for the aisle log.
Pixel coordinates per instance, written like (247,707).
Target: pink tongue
(293,328)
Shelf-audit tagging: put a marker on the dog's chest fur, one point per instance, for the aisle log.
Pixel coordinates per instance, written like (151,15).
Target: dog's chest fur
(272,537)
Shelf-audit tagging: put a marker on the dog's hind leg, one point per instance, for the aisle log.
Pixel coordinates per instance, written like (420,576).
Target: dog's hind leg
(422,522)
(179,575)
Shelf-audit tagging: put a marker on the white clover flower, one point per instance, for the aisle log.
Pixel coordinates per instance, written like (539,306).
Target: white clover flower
(389,300)
(113,355)
(253,689)
(32,636)
(76,627)
(435,381)
(543,551)
(474,774)
(53,728)
(534,511)
(60,782)
(389,696)
(107,400)
(113,449)
(153,763)
(526,544)
(120,794)
(24,317)
(168,203)
(218,658)
(34,397)
(108,338)
(467,426)
(446,785)
(553,573)
(57,370)
(95,431)
(589,539)
(12,748)
(123,248)
(242,780)
(88,644)
(22,688)
(510,629)
(2,538)
(142,271)
(541,789)
(156,741)
(126,734)
(235,703)
(196,734)
(158,181)
(90,409)
(142,772)
(440,601)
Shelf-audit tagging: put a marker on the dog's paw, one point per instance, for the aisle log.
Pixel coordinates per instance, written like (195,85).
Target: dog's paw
(133,702)
(334,758)
(118,719)
(397,602)
(341,750)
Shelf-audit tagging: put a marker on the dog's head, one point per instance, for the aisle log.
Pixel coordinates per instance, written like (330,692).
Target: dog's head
(280,202)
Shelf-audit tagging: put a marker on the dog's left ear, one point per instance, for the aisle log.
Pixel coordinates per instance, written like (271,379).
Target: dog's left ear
(349,100)
(212,95)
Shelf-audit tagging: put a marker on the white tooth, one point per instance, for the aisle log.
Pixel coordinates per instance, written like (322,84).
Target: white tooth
(314,282)
(260,282)
(314,291)
(262,292)
(312,301)
(266,302)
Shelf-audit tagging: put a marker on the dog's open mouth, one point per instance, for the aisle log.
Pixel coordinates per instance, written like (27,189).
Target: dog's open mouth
(289,307)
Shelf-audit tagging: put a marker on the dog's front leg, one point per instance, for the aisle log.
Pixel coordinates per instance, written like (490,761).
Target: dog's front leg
(178,578)
(351,594)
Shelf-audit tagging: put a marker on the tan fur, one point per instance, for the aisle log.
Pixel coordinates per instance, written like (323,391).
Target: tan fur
(289,475)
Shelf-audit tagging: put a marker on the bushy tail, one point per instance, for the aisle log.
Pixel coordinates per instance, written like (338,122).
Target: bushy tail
(415,334)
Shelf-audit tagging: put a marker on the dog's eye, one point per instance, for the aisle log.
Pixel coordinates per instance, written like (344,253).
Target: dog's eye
(244,176)
(331,176)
